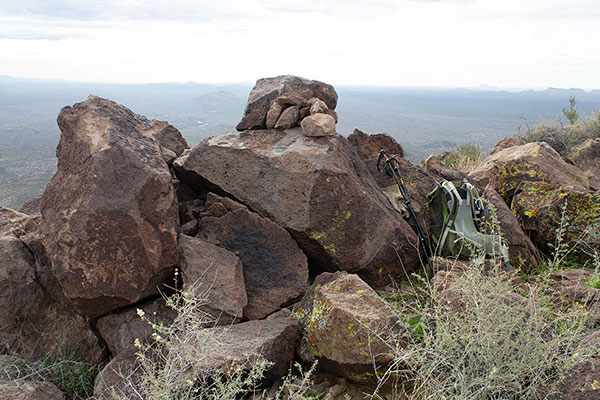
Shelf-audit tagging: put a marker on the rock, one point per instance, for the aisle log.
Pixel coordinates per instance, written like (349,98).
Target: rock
(109,215)
(268,89)
(317,106)
(33,323)
(32,206)
(587,157)
(505,143)
(572,286)
(288,118)
(216,276)
(169,137)
(542,209)
(507,170)
(190,228)
(332,114)
(273,339)
(292,99)
(30,390)
(368,147)
(522,253)
(317,189)
(275,269)
(318,125)
(580,384)
(120,376)
(343,321)
(190,210)
(119,330)
(273,115)
(418,182)
(435,166)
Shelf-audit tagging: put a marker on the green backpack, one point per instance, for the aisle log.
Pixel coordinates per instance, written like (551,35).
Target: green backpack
(455,209)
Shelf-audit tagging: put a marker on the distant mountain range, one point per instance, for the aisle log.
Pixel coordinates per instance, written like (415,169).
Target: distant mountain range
(423,120)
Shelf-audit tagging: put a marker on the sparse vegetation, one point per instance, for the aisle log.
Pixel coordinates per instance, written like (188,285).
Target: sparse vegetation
(475,335)
(464,157)
(562,137)
(74,378)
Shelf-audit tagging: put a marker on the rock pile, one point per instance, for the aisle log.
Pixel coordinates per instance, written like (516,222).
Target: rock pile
(288,101)
(281,214)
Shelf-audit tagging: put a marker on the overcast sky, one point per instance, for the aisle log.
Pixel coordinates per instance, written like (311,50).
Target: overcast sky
(507,43)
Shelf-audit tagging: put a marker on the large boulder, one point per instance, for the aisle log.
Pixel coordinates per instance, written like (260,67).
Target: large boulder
(418,182)
(586,156)
(109,215)
(33,322)
(317,189)
(275,269)
(168,136)
(544,210)
(267,90)
(273,339)
(343,322)
(368,146)
(507,170)
(215,275)
(522,253)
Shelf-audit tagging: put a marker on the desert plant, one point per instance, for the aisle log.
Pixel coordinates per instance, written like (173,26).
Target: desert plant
(74,378)
(464,157)
(173,362)
(473,334)
(571,113)
(564,138)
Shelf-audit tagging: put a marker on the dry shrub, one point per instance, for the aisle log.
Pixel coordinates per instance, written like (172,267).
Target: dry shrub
(476,335)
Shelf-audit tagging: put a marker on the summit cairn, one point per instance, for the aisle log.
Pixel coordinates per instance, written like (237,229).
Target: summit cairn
(288,101)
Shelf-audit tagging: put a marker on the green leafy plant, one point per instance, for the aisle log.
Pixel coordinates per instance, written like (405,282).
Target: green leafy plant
(571,113)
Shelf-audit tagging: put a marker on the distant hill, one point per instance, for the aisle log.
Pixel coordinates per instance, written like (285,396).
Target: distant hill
(423,120)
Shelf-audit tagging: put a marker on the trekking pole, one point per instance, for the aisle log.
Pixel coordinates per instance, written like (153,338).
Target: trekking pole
(392,169)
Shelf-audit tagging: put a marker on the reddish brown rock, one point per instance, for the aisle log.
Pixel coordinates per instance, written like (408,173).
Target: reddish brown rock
(168,136)
(121,376)
(587,157)
(317,106)
(368,146)
(34,323)
(119,330)
(580,384)
(505,143)
(273,115)
(507,170)
(318,125)
(418,182)
(272,339)
(216,276)
(343,321)
(522,253)
(288,118)
(32,206)
(317,189)
(275,269)
(109,215)
(267,90)
(436,167)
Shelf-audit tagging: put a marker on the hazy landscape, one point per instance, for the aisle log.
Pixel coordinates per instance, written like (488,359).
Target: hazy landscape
(423,120)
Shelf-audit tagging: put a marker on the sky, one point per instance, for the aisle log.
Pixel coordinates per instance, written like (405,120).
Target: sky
(505,43)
